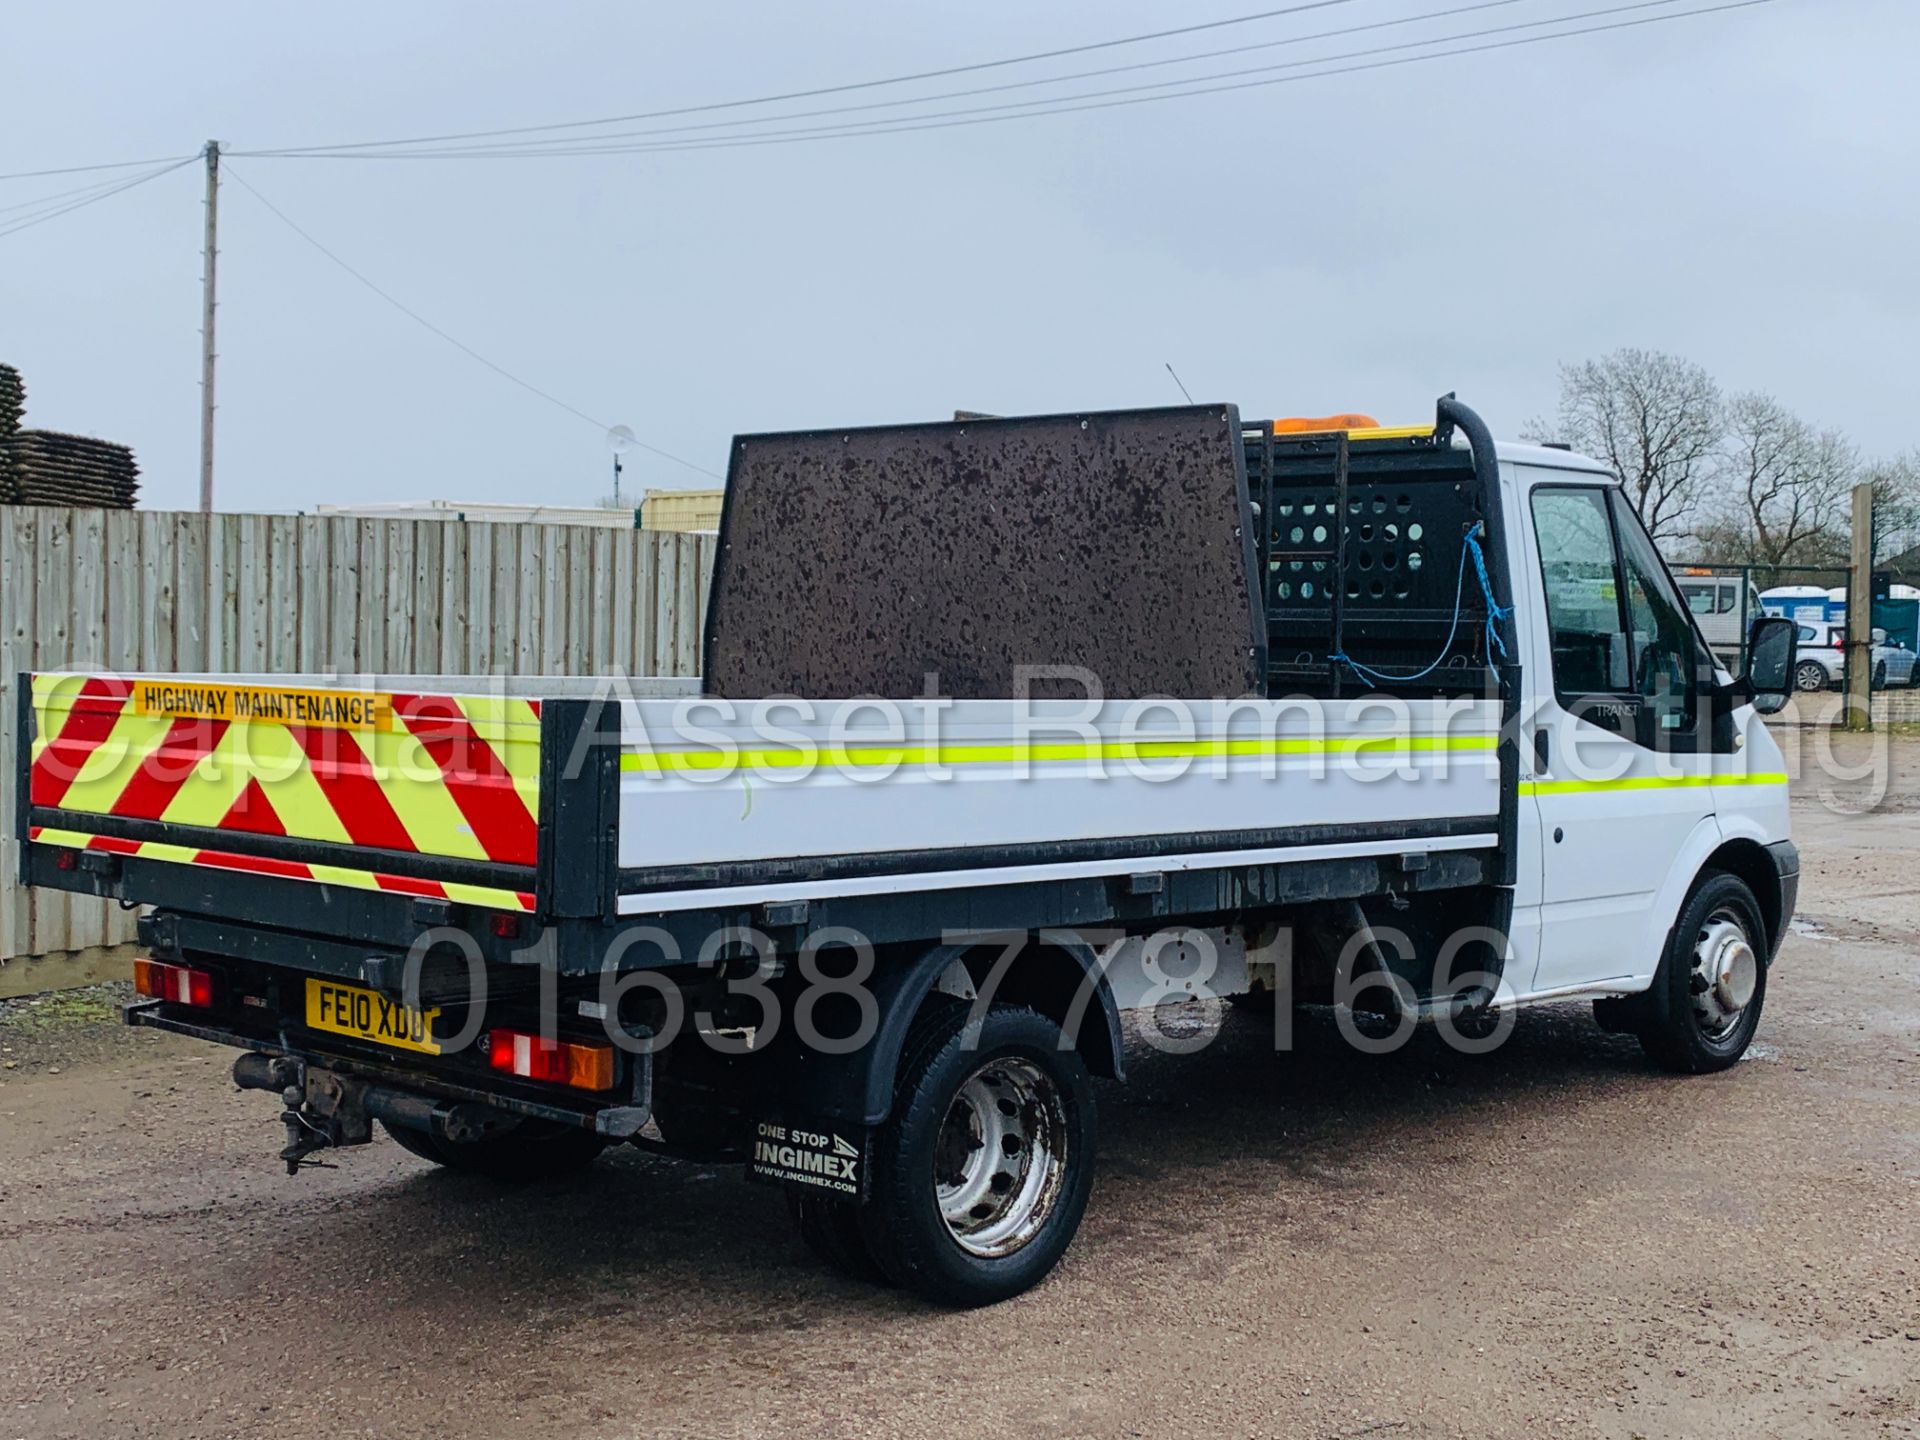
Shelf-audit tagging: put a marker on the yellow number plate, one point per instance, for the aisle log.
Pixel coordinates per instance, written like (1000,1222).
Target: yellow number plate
(349,1010)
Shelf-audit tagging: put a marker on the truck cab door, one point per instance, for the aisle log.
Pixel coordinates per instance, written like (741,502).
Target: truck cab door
(1619,744)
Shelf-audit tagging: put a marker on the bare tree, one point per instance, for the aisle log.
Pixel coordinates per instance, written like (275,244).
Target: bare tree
(1896,514)
(1783,485)
(1654,418)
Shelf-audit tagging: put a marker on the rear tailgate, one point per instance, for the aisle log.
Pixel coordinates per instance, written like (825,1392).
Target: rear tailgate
(415,794)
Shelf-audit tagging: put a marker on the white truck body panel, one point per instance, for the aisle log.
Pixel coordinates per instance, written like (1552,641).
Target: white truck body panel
(700,783)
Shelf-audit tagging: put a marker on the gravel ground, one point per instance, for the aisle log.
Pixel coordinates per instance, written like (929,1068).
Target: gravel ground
(1552,1240)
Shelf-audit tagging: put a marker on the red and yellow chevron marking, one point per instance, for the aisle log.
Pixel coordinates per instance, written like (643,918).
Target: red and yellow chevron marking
(443,775)
(486,896)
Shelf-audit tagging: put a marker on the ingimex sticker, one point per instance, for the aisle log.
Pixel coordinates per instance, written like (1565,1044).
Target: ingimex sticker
(807,1157)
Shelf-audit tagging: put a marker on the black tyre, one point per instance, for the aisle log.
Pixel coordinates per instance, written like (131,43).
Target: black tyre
(980,1175)
(532,1150)
(831,1229)
(1880,676)
(1809,676)
(1704,1006)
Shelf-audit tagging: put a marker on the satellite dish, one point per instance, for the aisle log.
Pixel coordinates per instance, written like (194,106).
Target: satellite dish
(621,439)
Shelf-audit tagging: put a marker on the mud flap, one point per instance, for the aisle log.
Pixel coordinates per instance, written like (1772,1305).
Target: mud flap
(825,1158)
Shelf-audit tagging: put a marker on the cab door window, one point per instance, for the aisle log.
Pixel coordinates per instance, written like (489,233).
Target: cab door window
(1664,653)
(1575,536)
(1625,654)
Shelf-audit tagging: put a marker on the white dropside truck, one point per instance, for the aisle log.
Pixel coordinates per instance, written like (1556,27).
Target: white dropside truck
(1005,727)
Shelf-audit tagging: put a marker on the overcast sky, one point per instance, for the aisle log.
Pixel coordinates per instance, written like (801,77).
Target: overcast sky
(1741,189)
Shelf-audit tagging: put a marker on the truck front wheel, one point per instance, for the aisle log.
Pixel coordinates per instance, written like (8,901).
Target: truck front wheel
(981,1173)
(532,1150)
(1705,1003)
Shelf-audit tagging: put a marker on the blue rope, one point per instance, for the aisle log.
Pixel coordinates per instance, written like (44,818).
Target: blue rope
(1495,614)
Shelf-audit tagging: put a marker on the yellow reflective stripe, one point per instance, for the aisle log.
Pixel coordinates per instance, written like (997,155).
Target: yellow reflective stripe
(485,895)
(338,875)
(105,772)
(71,838)
(1645,782)
(178,854)
(148,849)
(418,793)
(795,757)
(293,790)
(215,781)
(1390,432)
(46,722)
(512,732)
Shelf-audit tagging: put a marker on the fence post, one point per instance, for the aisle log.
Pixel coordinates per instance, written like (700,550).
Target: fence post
(1858,714)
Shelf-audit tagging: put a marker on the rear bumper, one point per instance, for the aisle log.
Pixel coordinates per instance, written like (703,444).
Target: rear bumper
(617,1120)
(1786,864)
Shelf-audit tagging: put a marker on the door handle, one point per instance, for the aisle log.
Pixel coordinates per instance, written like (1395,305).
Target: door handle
(1541,753)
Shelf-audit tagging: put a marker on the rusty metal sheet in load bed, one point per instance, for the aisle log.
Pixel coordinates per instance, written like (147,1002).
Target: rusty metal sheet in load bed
(857,562)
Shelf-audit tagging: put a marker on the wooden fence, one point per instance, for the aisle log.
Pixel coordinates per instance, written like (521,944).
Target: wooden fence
(163,591)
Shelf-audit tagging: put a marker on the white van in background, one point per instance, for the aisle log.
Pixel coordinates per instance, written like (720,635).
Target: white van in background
(1723,607)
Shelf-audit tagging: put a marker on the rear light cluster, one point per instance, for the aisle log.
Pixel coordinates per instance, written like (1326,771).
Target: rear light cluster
(561,1062)
(178,983)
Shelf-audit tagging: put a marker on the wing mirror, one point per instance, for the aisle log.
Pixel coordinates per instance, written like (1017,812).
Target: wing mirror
(1773,644)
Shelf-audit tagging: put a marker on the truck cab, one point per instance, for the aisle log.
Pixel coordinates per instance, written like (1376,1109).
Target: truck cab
(1635,779)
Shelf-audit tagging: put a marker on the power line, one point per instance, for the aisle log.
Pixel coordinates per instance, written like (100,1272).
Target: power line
(428,325)
(95,195)
(821,90)
(83,169)
(43,201)
(595,144)
(1043,106)
(553,145)
(1060,105)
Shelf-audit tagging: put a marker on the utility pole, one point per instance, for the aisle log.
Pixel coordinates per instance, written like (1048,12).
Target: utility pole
(1858,714)
(209,257)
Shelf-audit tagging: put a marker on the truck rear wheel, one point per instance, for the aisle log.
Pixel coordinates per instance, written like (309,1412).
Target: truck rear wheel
(831,1229)
(980,1175)
(1704,1006)
(532,1150)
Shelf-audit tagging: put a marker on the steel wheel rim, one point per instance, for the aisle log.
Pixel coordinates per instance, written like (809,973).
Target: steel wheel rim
(1001,1157)
(1726,974)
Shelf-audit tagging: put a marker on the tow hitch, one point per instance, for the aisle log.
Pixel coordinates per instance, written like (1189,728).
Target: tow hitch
(326,1110)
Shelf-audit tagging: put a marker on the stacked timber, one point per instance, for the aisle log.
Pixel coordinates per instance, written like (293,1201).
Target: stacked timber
(13,400)
(45,467)
(13,404)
